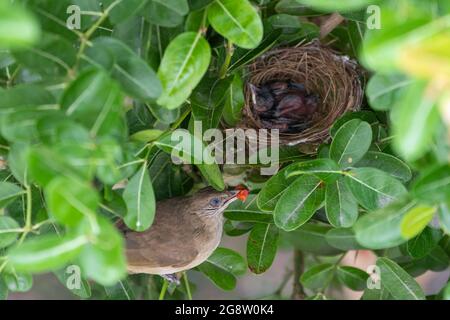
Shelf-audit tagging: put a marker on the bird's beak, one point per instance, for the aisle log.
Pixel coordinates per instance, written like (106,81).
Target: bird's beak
(231,196)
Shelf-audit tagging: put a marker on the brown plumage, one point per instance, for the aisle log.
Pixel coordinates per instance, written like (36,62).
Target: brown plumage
(185,232)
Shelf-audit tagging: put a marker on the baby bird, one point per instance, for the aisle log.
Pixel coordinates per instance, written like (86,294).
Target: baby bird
(298,106)
(262,98)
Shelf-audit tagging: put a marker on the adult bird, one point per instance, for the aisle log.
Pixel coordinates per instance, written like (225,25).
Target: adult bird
(184,234)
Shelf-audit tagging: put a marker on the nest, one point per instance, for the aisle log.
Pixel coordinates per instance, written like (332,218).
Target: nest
(334,78)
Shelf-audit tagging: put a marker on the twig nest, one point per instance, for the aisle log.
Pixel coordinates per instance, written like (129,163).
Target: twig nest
(331,79)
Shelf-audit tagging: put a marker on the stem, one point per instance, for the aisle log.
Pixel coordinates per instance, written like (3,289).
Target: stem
(226,64)
(163,290)
(298,292)
(186,284)
(86,36)
(28,224)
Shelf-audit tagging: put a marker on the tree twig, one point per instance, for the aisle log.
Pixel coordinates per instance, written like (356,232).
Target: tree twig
(298,292)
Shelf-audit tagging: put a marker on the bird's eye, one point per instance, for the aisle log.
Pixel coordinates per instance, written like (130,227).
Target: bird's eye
(215,202)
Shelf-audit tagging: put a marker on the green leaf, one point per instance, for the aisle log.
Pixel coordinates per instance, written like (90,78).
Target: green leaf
(367,116)
(70,276)
(94,100)
(103,260)
(340,206)
(46,253)
(382,228)
(133,73)
(71,200)
(185,61)
(311,237)
(140,200)
(166,13)
(18,28)
(123,10)
(373,188)
(387,163)
(351,143)
(434,185)
(421,245)
(444,217)
(237,21)
(414,121)
(222,267)
(9,230)
(243,57)
(416,220)
(120,291)
(383,91)
(190,149)
(273,190)
(299,202)
(324,169)
(3,290)
(234,102)
(342,5)
(354,278)
(376,294)
(398,282)
(262,247)
(18,282)
(343,239)
(208,101)
(8,193)
(247,211)
(195,5)
(52,56)
(318,277)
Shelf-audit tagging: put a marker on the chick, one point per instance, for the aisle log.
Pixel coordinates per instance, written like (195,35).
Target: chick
(262,98)
(297,106)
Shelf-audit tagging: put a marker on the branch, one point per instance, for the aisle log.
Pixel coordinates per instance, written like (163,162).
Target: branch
(298,292)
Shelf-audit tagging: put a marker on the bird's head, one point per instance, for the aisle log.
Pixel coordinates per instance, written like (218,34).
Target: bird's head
(212,203)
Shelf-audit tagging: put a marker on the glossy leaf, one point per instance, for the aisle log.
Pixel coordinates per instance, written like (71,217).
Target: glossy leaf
(340,206)
(140,201)
(9,192)
(318,276)
(262,247)
(234,102)
(413,121)
(166,13)
(398,282)
(95,101)
(373,188)
(343,239)
(9,231)
(71,200)
(311,237)
(434,186)
(416,220)
(189,148)
(325,169)
(46,253)
(382,228)
(354,278)
(133,73)
(387,163)
(237,21)
(185,61)
(299,202)
(222,267)
(384,91)
(343,5)
(351,143)
(103,260)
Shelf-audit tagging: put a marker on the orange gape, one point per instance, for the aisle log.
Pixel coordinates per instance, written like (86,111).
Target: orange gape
(242,195)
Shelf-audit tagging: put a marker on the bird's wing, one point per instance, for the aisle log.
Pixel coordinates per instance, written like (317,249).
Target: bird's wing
(170,241)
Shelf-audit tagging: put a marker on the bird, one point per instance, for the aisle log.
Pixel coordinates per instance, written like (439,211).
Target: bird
(297,105)
(263,100)
(185,232)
